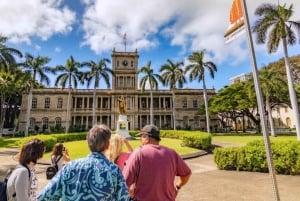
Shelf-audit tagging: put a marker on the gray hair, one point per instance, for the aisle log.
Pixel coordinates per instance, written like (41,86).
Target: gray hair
(98,138)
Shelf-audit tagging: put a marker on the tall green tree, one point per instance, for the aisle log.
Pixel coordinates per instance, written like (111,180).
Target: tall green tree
(273,88)
(7,54)
(172,75)
(274,20)
(150,78)
(69,73)
(36,67)
(12,85)
(97,71)
(197,72)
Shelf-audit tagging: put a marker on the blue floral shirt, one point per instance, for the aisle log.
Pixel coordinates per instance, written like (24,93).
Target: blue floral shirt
(93,178)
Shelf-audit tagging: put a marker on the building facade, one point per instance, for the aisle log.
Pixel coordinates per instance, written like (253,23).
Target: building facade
(49,105)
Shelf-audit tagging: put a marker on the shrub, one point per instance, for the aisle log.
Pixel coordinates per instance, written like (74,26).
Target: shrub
(196,140)
(252,157)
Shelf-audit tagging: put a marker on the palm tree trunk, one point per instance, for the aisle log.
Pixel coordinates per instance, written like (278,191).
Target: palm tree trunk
(173,109)
(269,110)
(68,110)
(292,92)
(151,107)
(2,113)
(94,106)
(206,107)
(29,100)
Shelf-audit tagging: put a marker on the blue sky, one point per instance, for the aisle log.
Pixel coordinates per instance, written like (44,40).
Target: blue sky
(159,29)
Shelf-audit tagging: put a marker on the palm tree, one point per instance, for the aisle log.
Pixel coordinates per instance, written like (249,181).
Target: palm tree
(271,86)
(7,54)
(197,71)
(151,79)
(70,73)
(35,66)
(275,20)
(98,70)
(172,74)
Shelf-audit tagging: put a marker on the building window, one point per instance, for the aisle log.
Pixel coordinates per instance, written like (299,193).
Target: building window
(57,121)
(47,103)
(59,103)
(184,103)
(131,64)
(118,64)
(45,123)
(105,103)
(129,83)
(121,81)
(79,103)
(128,103)
(32,123)
(34,103)
(195,104)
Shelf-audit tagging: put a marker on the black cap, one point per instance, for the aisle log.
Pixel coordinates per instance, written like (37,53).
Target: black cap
(150,130)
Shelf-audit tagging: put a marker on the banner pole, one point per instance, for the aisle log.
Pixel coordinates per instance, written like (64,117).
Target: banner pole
(260,105)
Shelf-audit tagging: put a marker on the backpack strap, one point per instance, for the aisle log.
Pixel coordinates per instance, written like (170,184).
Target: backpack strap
(56,161)
(29,173)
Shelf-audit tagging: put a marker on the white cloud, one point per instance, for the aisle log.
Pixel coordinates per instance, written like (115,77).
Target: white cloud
(191,24)
(57,49)
(21,20)
(37,47)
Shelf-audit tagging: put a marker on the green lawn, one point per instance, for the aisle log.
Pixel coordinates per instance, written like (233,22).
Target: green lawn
(80,149)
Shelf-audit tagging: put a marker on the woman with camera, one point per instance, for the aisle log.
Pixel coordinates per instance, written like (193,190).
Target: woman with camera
(59,155)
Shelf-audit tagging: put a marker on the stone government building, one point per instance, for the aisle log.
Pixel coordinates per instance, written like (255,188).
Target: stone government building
(49,105)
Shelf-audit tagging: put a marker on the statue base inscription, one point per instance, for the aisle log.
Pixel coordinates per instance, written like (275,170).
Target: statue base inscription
(122,126)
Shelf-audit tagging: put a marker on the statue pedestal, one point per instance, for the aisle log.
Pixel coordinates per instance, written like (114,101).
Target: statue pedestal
(122,126)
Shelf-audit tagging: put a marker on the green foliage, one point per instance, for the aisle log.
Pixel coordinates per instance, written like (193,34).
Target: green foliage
(226,159)
(252,157)
(197,140)
(57,129)
(51,140)
(48,140)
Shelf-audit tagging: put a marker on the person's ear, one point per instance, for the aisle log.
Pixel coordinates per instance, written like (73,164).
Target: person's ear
(107,145)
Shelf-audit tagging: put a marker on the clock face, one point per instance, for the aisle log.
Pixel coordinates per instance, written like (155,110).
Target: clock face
(125,62)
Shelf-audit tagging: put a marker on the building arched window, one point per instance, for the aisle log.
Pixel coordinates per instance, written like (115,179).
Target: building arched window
(32,123)
(45,123)
(288,122)
(57,121)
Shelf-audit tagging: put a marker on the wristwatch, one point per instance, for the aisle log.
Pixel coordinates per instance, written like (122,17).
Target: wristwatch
(177,187)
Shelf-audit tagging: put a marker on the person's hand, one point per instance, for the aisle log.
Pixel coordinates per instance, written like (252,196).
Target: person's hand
(65,151)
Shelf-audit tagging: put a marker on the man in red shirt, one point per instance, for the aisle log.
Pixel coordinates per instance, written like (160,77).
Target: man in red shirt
(153,168)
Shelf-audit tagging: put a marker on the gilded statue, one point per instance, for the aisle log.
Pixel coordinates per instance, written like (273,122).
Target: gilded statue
(122,105)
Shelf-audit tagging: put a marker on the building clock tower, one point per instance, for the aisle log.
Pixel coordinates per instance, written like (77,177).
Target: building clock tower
(125,66)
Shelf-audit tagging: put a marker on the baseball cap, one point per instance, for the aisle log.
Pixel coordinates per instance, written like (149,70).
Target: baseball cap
(151,130)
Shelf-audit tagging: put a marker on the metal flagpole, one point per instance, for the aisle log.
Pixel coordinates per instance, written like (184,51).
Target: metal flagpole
(260,104)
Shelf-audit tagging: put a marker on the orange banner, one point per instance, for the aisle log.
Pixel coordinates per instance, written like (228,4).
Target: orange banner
(236,20)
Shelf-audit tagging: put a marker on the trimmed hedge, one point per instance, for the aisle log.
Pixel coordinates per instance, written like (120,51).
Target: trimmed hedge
(252,157)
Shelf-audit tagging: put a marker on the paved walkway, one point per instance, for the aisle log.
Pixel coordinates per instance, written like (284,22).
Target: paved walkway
(207,183)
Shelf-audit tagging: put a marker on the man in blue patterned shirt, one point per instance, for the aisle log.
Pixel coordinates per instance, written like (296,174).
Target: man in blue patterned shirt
(92,178)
